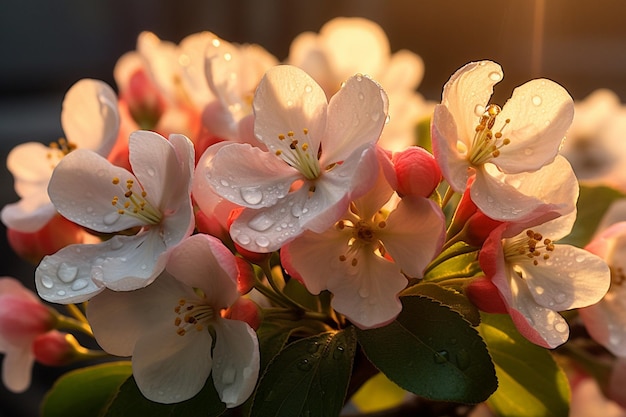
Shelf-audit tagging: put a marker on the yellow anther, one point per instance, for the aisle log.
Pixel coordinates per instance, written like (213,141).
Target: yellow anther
(115,180)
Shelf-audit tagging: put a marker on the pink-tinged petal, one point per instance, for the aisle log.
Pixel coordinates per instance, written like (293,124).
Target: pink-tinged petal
(119,318)
(367,294)
(82,188)
(236,366)
(90,118)
(192,50)
(371,202)
(466,95)
(553,188)
(202,261)
(356,116)
(170,368)
(540,112)
(313,258)
(454,165)
(259,182)
(417,171)
(404,72)
(413,234)
(570,278)
(306,52)
(163,171)
(161,61)
(606,321)
(288,99)
(17,367)
(602,243)
(31,163)
(24,217)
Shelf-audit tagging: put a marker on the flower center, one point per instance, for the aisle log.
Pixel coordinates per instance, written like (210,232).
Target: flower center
(58,150)
(363,234)
(487,143)
(531,246)
(192,316)
(298,154)
(134,203)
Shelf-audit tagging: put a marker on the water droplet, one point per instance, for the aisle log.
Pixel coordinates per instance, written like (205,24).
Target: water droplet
(66,272)
(561,327)
(144,267)
(289,103)
(560,298)
(462,359)
(116,243)
(111,218)
(261,222)
(361,96)
(101,172)
(495,76)
(251,195)
(338,353)
(61,293)
(151,172)
(528,151)
(479,109)
(537,100)
(243,239)
(224,183)
(304,365)
(364,292)
(47,282)
(539,290)
(441,357)
(308,88)
(79,284)
(296,210)
(359,77)
(313,347)
(89,209)
(580,258)
(262,241)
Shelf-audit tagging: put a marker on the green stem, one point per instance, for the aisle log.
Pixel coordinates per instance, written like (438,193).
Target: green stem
(69,323)
(77,313)
(447,197)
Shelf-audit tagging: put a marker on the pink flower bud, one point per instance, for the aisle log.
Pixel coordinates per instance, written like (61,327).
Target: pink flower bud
(55,348)
(482,292)
(417,171)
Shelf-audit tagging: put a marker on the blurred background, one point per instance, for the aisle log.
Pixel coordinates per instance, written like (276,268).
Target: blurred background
(46,46)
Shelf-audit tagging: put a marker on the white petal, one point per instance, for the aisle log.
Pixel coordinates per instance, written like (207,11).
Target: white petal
(119,319)
(90,117)
(202,261)
(540,111)
(356,116)
(236,366)
(17,367)
(170,368)
(445,138)
(570,278)
(259,182)
(82,190)
(24,217)
(367,294)
(288,99)
(467,93)
(606,321)
(414,234)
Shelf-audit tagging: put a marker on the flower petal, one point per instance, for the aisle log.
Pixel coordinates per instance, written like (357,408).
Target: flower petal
(570,278)
(170,368)
(25,217)
(17,367)
(237,357)
(259,182)
(356,116)
(202,261)
(288,99)
(413,235)
(82,188)
(540,112)
(90,117)
(467,94)
(606,321)
(367,293)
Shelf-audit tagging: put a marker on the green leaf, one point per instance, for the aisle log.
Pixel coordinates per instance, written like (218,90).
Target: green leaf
(431,351)
(531,384)
(131,402)
(447,296)
(85,392)
(593,202)
(308,378)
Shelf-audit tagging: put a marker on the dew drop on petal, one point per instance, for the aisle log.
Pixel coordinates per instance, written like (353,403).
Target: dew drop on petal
(116,244)
(361,96)
(61,293)
(262,241)
(364,292)
(308,89)
(151,172)
(251,195)
(561,327)
(539,290)
(479,109)
(224,183)
(338,353)
(111,218)
(495,76)
(79,284)
(580,258)
(47,282)
(261,222)
(537,100)
(528,151)
(89,209)
(66,272)
(560,298)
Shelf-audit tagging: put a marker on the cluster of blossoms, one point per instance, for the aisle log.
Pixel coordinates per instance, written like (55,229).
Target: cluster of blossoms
(190,209)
